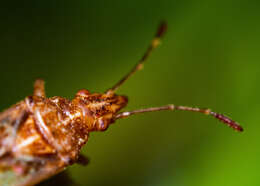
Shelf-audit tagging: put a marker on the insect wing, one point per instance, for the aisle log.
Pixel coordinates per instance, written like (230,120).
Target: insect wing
(11,178)
(11,122)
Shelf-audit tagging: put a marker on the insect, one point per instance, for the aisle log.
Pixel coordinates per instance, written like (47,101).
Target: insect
(40,136)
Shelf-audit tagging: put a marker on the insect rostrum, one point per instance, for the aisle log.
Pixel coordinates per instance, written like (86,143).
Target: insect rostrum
(41,136)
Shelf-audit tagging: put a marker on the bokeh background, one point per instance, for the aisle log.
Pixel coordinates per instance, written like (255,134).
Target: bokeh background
(209,58)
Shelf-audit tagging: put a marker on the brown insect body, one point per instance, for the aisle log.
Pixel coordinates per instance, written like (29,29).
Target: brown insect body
(41,136)
(65,124)
(54,129)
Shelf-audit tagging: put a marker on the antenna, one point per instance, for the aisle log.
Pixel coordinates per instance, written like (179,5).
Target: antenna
(218,116)
(154,44)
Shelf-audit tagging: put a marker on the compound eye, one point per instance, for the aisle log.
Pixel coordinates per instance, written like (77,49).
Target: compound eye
(102,125)
(83,93)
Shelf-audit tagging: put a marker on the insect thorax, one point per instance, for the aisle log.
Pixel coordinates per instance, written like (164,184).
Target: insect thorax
(61,125)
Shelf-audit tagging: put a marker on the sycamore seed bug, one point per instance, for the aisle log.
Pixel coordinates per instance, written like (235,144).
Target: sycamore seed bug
(41,136)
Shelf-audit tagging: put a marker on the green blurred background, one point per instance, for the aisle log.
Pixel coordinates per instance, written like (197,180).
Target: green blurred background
(209,58)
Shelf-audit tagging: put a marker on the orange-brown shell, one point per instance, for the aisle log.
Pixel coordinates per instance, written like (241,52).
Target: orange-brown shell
(60,124)
(41,136)
(52,132)
(30,142)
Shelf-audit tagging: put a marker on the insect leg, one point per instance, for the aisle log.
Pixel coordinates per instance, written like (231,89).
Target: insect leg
(83,160)
(154,44)
(218,116)
(39,89)
(21,118)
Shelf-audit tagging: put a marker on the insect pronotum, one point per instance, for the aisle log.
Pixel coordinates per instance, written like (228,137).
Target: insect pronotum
(40,136)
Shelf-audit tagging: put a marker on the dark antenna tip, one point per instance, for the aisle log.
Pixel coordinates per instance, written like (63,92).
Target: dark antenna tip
(162,29)
(228,121)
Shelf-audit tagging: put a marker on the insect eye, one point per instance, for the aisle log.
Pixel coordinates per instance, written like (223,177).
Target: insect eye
(102,125)
(83,93)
